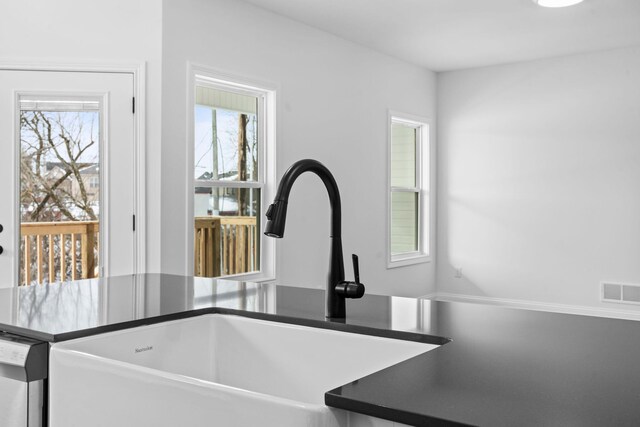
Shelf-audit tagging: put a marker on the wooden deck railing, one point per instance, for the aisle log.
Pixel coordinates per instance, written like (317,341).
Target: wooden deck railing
(57,251)
(225,245)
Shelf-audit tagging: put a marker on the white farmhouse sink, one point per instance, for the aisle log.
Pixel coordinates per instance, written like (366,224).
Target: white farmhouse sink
(213,370)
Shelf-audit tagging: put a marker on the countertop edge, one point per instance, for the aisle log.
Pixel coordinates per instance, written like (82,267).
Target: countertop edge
(313,323)
(385,412)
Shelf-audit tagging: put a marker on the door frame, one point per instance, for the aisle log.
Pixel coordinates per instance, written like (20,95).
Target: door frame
(138,70)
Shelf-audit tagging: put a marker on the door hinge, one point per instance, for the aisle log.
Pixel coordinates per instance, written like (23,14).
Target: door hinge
(133,105)
(134,223)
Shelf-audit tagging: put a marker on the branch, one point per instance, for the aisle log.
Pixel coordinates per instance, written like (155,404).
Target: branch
(50,192)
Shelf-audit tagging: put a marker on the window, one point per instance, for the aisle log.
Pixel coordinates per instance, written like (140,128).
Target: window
(409,192)
(60,141)
(94,182)
(229,177)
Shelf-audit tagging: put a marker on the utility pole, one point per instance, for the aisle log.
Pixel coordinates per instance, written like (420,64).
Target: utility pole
(242,160)
(214,153)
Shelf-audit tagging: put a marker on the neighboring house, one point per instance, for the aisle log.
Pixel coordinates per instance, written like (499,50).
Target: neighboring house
(227,176)
(205,202)
(90,177)
(68,190)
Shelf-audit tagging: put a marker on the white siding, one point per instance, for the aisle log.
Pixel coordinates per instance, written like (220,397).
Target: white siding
(217,98)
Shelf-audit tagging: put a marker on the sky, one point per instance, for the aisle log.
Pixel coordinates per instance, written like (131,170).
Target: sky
(83,126)
(227,125)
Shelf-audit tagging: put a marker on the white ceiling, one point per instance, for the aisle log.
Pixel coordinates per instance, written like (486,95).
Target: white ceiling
(455,34)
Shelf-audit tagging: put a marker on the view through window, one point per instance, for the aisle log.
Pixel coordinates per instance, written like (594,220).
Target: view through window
(409,192)
(227,181)
(59,189)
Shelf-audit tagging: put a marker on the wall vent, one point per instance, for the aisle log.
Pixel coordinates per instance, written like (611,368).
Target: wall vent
(620,293)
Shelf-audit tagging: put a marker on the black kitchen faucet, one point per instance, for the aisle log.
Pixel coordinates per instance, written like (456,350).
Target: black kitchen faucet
(337,288)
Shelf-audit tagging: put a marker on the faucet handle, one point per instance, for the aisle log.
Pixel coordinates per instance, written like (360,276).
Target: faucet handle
(353,289)
(356,267)
(350,289)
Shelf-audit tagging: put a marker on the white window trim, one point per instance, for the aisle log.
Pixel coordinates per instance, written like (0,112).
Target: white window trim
(423,188)
(198,75)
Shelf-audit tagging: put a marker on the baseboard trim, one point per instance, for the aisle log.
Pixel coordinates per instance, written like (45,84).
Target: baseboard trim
(538,306)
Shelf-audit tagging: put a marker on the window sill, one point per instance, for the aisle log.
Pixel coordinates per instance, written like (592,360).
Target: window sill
(409,259)
(255,277)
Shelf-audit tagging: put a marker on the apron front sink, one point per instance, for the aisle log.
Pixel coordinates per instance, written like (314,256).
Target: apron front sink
(211,370)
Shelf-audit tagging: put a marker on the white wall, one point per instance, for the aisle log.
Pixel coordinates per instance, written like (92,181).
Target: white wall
(90,32)
(538,182)
(333,98)
(539,178)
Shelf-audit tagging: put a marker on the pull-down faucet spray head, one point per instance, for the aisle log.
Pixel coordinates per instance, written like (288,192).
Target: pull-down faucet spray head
(276,219)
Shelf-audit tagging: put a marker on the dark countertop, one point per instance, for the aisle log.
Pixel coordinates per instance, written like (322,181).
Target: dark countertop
(504,366)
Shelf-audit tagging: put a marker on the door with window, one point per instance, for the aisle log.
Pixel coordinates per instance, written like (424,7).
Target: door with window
(66,176)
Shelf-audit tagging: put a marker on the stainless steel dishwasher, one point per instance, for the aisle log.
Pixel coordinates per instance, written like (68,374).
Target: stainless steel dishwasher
(23,372)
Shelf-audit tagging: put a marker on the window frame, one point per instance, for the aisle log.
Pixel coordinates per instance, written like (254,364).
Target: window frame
(265,93)
(422,188)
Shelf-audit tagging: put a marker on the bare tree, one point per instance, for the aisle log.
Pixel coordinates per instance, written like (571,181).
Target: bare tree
(61,142)
(58,150)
